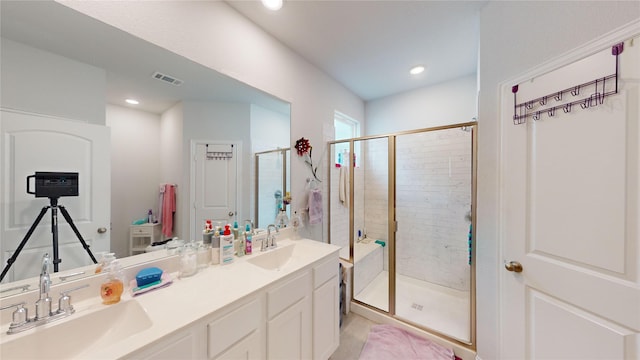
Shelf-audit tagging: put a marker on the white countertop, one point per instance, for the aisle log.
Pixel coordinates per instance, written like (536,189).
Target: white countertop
(190,299)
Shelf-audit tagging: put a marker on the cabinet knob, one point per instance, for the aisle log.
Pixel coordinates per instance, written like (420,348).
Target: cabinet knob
(102,230)
(231,213)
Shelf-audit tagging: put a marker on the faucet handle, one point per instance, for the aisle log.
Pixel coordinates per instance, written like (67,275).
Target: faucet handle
(64,304)
(20,315)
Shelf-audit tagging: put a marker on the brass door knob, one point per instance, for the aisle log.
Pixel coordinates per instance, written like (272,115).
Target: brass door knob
(513,266)
(102,230)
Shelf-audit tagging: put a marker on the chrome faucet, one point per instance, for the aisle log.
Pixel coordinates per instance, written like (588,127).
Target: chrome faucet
(44,315)
(271,239)
(43,305)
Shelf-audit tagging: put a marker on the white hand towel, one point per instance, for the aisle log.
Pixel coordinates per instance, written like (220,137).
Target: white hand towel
(343,183)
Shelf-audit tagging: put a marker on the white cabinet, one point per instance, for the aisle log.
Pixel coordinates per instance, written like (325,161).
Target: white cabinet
(184,344)
(289,332)
(326,309)
(238,334)
(293,318)
(141,236)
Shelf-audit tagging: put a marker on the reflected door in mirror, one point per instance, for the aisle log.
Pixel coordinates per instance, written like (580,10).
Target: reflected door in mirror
(216,168)
(33,143)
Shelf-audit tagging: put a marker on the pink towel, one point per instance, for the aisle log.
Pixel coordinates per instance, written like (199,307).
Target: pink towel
(168,208)
(315,206)
(390,342)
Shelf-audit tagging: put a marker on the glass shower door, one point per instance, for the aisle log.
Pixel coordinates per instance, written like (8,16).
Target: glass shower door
(433,251)
(272,186)
(370,222)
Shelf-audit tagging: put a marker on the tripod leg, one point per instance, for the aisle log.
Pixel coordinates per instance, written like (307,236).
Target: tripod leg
(75,230)
(54,233)
(13,258)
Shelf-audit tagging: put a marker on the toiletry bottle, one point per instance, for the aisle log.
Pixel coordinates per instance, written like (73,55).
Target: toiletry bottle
(282,220)
(248,239)
(235,230)
(113,285)
(226,246)
(215,247)
(150,217)
(104,261)
(241,245)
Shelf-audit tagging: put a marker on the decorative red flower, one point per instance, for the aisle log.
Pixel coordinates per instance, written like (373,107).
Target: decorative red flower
(303,146)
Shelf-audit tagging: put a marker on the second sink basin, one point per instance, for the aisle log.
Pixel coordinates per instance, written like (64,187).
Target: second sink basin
(78,332)
(274,259)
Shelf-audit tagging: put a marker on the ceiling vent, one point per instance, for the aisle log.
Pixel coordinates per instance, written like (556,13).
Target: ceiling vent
(167,78)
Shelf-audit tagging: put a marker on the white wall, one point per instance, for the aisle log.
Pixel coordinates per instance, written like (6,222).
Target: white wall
(515,37)
(258,60)
(216,121)
(135,170)
(269,129)
(451,102)
(41,82)
(172,158)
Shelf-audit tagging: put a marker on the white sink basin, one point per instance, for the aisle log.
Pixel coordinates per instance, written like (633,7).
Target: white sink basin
(273,259)
(77,333)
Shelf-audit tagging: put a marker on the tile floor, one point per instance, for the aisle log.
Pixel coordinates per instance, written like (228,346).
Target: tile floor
(353,335)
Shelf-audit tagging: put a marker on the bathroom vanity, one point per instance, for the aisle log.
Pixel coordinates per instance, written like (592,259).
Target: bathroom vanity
(281,303)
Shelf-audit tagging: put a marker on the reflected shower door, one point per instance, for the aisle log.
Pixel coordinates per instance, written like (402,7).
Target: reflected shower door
(370,222)
(433,209)
(271,185)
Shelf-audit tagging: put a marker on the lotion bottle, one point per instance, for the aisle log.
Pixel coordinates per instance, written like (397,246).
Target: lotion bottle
(248,239)
(226,246)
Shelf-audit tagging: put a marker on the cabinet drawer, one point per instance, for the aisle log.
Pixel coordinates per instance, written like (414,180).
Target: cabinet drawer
(233,327)
(288,294)
(141,230)
(325,271)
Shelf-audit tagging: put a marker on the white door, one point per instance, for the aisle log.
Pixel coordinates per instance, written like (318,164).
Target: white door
(32,143)
(570,215)
(215,174)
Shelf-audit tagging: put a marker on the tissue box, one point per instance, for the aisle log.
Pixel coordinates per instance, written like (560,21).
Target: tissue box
(148,275)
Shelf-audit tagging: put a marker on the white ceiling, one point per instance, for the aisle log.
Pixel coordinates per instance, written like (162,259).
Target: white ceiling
(128,61)
(369,46)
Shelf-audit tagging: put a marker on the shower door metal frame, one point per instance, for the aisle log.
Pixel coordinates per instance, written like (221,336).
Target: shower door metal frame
(393,225)
(283,152)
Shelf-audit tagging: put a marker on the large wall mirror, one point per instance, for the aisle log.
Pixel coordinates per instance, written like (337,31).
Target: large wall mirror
(61,65)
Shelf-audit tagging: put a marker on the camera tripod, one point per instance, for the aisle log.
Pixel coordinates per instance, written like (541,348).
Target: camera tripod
(54,230)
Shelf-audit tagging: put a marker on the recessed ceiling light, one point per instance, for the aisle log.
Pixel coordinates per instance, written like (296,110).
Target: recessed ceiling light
(132,101)
(416,70)
(272,4)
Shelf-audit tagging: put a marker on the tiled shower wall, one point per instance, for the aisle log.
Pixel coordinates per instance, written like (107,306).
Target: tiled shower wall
(433,196)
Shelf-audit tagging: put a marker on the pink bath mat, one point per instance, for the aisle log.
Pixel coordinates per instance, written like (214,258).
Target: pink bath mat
(389,342)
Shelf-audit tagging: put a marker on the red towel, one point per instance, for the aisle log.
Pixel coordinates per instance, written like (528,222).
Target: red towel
(168,208)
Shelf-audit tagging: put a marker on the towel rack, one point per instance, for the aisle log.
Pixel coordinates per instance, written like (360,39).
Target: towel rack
(535,108)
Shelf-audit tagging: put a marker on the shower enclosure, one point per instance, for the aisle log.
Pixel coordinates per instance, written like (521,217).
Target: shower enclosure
(401,208)
(271,186)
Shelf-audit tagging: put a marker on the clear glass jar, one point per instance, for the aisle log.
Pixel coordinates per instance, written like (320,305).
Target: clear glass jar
(204,255)
(188,259)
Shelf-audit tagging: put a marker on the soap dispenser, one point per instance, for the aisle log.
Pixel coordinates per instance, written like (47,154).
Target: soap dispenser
(282,220)
(113,285)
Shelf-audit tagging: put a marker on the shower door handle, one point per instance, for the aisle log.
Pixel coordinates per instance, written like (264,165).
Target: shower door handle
(513,266)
